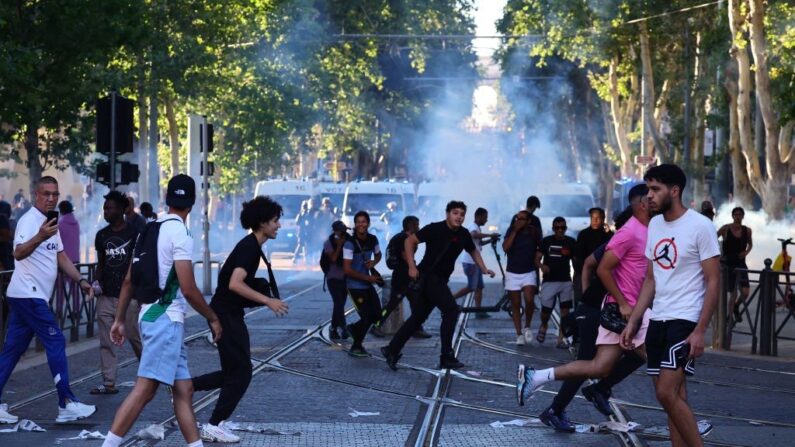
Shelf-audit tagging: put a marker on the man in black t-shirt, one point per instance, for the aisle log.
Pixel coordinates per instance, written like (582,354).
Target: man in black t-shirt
(588,240)
(114,245)
(444,241)
(238,288)
(400,274)
(557,252)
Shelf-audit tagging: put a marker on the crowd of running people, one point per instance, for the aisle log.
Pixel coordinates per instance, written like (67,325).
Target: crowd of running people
(645,294)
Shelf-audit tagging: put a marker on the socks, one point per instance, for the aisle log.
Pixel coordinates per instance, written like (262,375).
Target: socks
(196,444)
(543,376)
(112,440)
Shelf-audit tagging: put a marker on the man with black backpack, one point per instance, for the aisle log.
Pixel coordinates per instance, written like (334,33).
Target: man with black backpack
(334,274)
(444,241)
(161,279)
(396,260)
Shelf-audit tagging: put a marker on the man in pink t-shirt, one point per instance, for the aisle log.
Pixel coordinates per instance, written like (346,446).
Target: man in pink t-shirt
(622,271)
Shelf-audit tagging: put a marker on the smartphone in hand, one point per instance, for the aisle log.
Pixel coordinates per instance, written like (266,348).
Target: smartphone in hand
(52,215)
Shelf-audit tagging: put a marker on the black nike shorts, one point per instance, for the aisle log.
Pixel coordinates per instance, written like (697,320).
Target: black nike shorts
(666,347)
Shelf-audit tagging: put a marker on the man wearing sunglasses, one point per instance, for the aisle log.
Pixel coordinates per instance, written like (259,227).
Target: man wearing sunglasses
(554,260)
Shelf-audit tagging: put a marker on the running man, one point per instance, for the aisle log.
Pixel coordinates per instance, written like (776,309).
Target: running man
(360,254)
(682,283)
(522,241)
(621,271)
(444,240)
(737,243)
(335,279)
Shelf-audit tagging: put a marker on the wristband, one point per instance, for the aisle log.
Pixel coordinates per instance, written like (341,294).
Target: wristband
(83,279)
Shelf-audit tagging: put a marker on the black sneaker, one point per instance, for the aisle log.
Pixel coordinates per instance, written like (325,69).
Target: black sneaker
(358,351)
(449,361)
(560,422)
(600,401)
(377,332)
(421,334)
(738,316)
(333,334)
(344,333)
(391,359)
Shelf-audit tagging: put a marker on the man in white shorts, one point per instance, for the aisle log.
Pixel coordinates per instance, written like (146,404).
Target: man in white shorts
(555,260)
(682,282)
(522,241)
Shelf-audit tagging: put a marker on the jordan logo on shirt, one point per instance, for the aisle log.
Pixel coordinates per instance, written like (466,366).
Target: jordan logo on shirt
(666,254)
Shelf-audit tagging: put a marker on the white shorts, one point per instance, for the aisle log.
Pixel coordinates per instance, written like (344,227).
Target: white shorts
(563,291)
(517,281)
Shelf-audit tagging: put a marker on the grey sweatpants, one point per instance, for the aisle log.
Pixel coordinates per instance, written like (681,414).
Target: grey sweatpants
(106,313)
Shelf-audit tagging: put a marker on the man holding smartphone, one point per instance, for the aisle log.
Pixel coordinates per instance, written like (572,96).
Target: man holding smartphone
(39,255)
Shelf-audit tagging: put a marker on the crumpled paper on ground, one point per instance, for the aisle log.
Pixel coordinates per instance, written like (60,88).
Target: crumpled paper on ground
(516,422)
(356,414)
(263,431)
(23,425)
(128,384)
(84,434)
(154,431)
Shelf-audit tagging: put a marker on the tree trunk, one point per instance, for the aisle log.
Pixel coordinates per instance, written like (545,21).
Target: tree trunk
(699,101)
(648,95)
(35,167)
(617,121)
(741,184)
(173,134)
(774,194)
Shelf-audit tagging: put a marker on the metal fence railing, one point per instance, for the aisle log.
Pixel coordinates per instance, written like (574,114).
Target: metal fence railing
(770,289)
(68,303)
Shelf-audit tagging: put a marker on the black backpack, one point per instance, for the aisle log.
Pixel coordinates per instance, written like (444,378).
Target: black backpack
(325,259)
(393,253)
(145,272)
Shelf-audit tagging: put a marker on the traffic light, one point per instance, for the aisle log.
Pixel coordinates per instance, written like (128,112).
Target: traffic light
(123,122)
(126,173)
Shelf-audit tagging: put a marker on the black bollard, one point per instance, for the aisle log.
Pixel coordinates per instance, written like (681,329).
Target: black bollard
(767,303)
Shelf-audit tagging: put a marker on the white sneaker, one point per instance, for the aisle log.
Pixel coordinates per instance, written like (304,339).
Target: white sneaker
(75,411)
(6,417)
(528,334)
(213,433)
(520,340)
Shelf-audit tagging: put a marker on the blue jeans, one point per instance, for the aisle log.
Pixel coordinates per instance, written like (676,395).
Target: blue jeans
(32,316)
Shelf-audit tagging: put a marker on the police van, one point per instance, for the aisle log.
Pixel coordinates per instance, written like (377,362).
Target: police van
(373,197)
(568,200)
(290,194)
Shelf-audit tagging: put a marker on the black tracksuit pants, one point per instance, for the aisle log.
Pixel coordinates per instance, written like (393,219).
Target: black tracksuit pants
(588,327)
(369,307)
(435,293)
(233,379)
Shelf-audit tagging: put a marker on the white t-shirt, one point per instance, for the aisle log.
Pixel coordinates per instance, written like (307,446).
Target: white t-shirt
(173,244)
(34,276)
(676,250)
(465,258)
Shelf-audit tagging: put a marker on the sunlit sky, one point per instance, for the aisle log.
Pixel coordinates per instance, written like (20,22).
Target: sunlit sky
(484,102)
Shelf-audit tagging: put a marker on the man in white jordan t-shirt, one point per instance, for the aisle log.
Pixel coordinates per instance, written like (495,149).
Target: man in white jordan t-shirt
(682,282)
(471,270)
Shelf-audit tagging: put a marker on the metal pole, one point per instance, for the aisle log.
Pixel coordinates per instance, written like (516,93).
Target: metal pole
(767,307)
(153,167)
(113,140)
(686,142)
(719,336)
(204,145)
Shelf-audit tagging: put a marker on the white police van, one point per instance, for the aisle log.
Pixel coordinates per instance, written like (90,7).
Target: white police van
(568,200)
(290,194)
(373,197)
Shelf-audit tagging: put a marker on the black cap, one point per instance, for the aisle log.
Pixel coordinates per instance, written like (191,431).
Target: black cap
(181,192)
(638,190)
(339,226)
